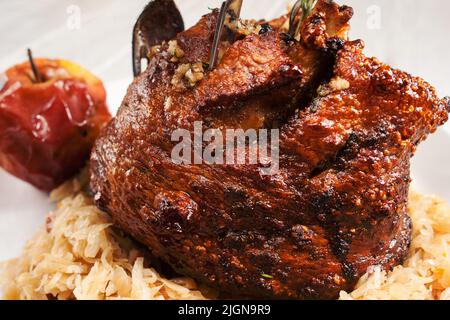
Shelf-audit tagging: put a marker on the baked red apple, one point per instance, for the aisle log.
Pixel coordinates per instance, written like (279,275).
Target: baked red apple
(51,112)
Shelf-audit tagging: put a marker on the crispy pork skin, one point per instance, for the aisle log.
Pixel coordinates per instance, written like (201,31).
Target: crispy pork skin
(338,205)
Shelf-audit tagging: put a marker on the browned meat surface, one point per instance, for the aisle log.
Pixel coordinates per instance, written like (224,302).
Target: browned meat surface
(348,128)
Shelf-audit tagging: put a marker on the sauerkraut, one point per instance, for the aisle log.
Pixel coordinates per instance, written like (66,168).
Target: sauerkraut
(79,254)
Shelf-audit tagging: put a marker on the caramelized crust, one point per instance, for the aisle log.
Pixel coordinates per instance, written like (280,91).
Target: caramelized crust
(196,42)
(348,127)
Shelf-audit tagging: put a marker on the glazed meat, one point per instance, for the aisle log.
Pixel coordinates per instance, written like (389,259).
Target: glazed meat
(338,204)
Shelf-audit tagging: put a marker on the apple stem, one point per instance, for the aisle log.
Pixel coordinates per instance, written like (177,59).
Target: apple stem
(36,73)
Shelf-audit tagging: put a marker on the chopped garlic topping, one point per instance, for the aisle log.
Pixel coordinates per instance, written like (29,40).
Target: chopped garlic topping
(187,75)
(338,84)
(247,27)
(153,51)
(244,27)
(175,51)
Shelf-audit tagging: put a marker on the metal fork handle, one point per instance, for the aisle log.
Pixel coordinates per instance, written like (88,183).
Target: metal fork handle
(230,9)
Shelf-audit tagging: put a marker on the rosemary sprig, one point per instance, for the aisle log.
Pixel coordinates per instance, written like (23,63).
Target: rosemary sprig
(306,7)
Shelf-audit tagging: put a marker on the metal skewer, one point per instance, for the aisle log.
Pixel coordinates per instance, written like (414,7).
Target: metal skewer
(230,11)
